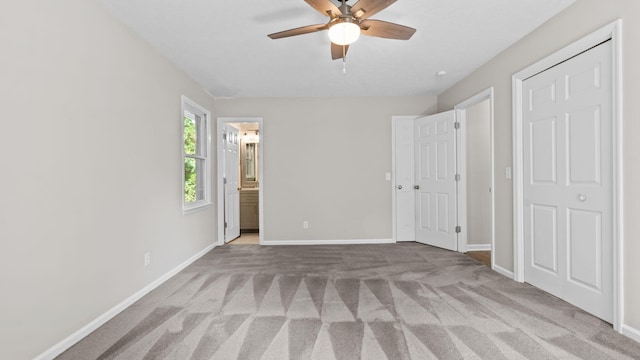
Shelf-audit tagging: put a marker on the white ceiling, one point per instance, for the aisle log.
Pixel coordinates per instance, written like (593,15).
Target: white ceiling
(223,44)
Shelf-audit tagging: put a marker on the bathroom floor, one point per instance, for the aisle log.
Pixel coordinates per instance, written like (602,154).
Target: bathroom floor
(246,239)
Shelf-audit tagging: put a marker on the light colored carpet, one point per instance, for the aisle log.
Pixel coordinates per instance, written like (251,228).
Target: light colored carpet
(397,301)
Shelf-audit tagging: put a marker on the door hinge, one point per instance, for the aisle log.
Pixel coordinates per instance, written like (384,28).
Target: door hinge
(456,125)
(224,180)
(458,229)
(224,137)
(225,224)
(458,177)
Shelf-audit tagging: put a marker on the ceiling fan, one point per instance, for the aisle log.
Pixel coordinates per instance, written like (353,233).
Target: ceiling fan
(346,23)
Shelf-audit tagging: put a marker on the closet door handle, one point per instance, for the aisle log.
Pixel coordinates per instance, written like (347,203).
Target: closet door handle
(399,187)
(417,187)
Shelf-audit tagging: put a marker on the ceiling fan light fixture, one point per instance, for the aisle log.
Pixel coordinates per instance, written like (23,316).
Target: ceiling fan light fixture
(344,33)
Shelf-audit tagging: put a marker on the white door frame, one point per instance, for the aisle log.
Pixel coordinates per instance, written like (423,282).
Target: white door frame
(220,174)
(461,117)
(611,31)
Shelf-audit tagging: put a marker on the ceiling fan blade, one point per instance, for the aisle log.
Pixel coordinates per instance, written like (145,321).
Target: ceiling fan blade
(325,7)
(337,51)
(298,31)
(364,9)
(387,30)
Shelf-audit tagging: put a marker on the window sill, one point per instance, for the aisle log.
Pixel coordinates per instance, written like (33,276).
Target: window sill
(191,208)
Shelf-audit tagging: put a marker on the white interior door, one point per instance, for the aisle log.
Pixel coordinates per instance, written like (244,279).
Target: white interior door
(404,180)
(231,174)
(435,184)
(568,157)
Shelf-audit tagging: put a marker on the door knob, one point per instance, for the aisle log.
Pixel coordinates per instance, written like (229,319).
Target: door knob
(399,187)
(417,187)
(582,197)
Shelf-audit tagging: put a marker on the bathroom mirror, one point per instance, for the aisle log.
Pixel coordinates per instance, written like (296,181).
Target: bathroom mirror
(249,164)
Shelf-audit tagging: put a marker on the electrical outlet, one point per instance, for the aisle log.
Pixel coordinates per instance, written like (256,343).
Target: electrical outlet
(305,224)
(147,259)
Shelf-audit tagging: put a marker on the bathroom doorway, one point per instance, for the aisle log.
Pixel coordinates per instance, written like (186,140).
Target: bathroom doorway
(240,168)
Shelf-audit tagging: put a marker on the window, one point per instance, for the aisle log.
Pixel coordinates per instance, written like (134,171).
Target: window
(195,153)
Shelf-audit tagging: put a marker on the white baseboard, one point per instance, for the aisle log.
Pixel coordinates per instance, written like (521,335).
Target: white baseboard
(328,242)
(502,271)
(630,332)
(478,247)
(63,345)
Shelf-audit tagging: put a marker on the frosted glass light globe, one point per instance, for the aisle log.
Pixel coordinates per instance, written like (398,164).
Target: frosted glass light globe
(344,33)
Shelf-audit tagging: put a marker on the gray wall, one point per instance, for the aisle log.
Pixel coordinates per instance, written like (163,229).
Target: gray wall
(90,153)
(478,129)
(325,161)
(91,174)
(577,21)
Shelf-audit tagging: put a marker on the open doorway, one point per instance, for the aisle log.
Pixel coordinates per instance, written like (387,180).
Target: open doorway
(240,187)
(425,142)
(477,182)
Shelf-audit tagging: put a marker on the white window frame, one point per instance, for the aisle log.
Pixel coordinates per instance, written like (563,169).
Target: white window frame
(193,107)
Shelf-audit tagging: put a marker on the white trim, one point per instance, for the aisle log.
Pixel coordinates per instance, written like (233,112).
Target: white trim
(72,339)
(328,242)
(394,225)
(261,181)
(461,110)
(220,173)
(618,179)
(502,271)
(478,247)
(196,205)
(628,331)
(611,31)
(461,185)
(517,174)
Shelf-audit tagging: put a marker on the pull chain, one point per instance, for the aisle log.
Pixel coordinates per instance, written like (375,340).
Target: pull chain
(344,60)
